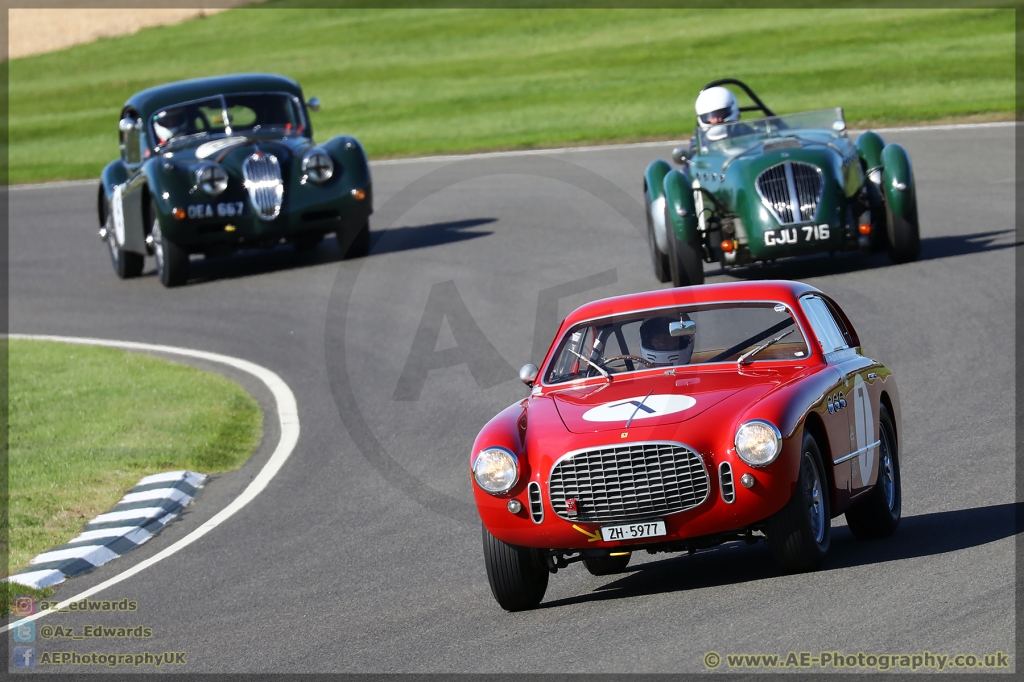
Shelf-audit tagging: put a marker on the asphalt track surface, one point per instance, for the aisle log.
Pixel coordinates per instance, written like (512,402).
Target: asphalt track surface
(364,553)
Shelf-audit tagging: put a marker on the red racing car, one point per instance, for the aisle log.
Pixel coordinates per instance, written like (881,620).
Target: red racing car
(680,419)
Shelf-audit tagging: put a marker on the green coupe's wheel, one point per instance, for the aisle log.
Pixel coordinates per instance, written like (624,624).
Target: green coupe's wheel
(607,565)
(658,259)
(904,234)
(307,241)
(685,261)
(878,515)
(360,245)
(126,264)
(518,575)
(799,533)
(171,259)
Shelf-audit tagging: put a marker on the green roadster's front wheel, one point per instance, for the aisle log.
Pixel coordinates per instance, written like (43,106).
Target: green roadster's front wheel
(684,259)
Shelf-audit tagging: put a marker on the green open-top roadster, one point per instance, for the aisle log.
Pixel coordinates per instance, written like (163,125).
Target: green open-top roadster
(763,188)
(212,165)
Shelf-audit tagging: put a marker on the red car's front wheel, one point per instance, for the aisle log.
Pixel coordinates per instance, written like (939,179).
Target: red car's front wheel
(518,575)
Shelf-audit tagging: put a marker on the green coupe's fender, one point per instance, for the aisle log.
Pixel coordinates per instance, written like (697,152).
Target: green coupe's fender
(654,186)
(679,208)
(115,201)
(869,149)
(349,155)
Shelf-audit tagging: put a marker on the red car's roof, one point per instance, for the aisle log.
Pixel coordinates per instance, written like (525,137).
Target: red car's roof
(782,291)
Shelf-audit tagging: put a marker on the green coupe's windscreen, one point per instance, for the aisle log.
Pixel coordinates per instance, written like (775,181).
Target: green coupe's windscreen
(228,115)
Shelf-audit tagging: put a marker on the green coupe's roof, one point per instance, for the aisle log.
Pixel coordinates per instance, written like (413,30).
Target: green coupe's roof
(148,101)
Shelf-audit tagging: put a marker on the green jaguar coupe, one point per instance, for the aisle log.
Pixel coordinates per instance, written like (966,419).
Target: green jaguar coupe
(213,165)
(769,187)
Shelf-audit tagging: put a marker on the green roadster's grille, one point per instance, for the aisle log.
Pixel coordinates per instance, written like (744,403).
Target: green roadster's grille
(791,191)
(624,482)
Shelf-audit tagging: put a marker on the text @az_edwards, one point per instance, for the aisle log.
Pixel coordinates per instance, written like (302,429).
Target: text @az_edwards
(95,632)
(924,660)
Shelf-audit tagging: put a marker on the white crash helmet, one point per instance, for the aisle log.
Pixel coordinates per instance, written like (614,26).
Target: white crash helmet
(716,103)
(671,350)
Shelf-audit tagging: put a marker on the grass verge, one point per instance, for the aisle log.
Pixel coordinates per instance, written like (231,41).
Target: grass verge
(86,423)
(409,82)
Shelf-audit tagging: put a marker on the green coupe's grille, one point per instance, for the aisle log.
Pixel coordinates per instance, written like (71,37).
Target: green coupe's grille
(262,174)
(791,191)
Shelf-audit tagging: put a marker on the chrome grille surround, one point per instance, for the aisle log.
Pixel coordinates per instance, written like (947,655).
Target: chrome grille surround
(536,504)
(262,175)
(791,191)
(725,483)
(630,481)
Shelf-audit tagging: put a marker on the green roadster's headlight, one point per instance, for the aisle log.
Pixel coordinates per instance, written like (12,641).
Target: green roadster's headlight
(212,179)
(317,166)
(496,470)
(758,442)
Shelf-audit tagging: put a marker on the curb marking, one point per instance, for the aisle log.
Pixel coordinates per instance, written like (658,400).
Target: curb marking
(287,411)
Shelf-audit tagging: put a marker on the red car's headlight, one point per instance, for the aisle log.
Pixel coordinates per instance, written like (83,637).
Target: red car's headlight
(758,442)
(496,470)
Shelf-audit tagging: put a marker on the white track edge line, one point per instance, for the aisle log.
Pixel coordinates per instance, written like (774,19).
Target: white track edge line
(287,410)
(555,150)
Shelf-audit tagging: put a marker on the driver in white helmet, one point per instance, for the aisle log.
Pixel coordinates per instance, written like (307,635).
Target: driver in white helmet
(716,106)
(659,347)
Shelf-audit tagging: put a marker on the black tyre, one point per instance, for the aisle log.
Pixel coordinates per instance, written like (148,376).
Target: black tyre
(307,241)
(359,246)
(685,262)
(878,514)
(799,534)
(607,565)
(659,260)
(904,237)
(126,263)
(171,259)
(518,575)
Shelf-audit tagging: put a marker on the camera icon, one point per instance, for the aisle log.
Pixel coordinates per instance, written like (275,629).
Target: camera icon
(24,605)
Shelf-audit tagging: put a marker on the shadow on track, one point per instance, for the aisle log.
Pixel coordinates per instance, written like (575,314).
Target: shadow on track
(803,268)
(733,563)
(254,262)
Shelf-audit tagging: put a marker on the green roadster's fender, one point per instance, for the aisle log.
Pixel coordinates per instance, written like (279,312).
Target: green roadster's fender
(869,149)
(685,247)
(900,203)
(654,187)
(681,215)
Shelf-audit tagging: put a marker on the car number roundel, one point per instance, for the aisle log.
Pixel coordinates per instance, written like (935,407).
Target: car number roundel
(639,408)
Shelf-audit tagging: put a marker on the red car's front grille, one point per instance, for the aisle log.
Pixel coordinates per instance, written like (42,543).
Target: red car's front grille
(623,482)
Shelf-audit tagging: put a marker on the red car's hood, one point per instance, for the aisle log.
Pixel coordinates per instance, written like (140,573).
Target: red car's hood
(652,400)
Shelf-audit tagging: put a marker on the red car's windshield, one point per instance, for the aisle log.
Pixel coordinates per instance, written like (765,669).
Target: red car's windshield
(672,337)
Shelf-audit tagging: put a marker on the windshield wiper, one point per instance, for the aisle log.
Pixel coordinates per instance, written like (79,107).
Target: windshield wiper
(601,370)
(741,359)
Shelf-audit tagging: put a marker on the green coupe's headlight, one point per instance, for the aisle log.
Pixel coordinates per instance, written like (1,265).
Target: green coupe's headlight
(317,166)
(212,179)
(496,470)
(758,442)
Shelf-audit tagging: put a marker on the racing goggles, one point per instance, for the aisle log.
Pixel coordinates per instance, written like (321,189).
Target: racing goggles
(716,116)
